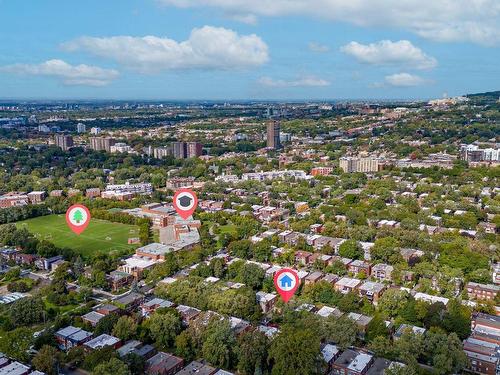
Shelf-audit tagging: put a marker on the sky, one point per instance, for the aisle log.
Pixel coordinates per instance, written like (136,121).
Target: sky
(242,49)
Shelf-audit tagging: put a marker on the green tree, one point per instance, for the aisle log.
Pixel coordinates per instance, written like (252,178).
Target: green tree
(27,311)
(125,328)
(185,346)
(135,363)
(376,328)
(252,352)
(343,331)
(164,328)
(445,351)
(295,350)
(392,302)
(47,360)
(219,343)
(386,250)
(106,324)
(351,249)
(252,275)
(16,343)
(457,319)
(114,366)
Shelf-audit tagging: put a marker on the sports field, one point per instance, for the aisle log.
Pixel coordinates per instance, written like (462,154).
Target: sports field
(100,236)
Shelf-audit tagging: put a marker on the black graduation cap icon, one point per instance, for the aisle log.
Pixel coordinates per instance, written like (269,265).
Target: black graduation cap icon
(185,201)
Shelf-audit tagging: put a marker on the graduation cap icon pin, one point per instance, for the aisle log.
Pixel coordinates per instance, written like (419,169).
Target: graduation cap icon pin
(185,202)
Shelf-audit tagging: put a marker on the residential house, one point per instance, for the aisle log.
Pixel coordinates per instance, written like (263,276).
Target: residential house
(197,368)
(118,280)
(149,307)
(359,266)
(382,271)
(164,364)
(266,301)
(70,337)
(129,301)
(103,341)
(314,277)
(92,318)
(371,290)
(352,362)
(346,285)
(482,291)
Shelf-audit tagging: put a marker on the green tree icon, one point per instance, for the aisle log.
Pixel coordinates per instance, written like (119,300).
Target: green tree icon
(77,216)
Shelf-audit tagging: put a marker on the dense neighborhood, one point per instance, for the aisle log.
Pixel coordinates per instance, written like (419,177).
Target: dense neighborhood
(389,213)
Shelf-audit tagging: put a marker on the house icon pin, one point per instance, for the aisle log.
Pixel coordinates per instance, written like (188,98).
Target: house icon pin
(286,281)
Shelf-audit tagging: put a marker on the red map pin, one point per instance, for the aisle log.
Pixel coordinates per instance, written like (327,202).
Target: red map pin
(286,282)
(78,218)
(185,202)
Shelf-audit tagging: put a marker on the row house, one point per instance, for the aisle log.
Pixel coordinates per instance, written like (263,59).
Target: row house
(327,311)
(302,257)
(482,291)
(486,327)
(346,285)
(149,307)
(70,337)
(482,348)
(93,193)
(372,291)
(36,197)
(314,277)
(358,266)
(130,301)
(138,348)
(211,206)
(330,353)
(362,321)
(331,278)
(382,272)
(266,301)
(483,357)
(188,313)
(164,364)
(92,318)
(352,362)
(103,341)
(118,280)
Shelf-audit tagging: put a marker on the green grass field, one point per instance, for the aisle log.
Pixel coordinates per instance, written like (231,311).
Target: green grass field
(100,236)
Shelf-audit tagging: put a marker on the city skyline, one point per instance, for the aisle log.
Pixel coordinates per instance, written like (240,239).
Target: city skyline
(230,50)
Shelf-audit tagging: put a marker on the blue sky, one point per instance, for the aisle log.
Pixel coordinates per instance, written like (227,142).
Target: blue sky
(237,49)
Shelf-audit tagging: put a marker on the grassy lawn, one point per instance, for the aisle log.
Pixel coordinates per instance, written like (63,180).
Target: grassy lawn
(100,236)
(229,228)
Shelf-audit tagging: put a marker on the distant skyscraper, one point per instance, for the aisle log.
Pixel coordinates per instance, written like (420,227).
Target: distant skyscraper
(95,131)
(162,152)
(193,149)
(101,144)
(179,150)
(80,128)
(273,135)
(64,141)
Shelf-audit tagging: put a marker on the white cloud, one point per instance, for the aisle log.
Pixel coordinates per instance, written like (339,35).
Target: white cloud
(405,80)
(207,48)
(476,21)
(316,47)
(306,81)
(86,75)
(386,52)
